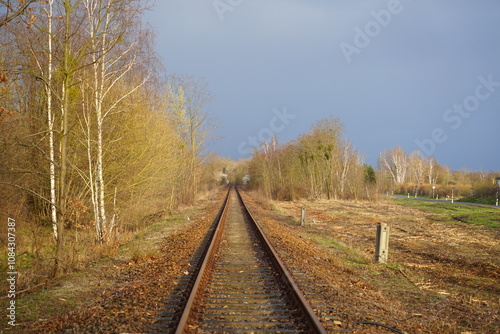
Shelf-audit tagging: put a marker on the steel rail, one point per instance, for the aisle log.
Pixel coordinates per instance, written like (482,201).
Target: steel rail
(202,273)
(192,306)
(285,274)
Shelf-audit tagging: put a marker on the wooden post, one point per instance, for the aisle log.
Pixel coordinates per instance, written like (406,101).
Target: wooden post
(303,216)
(382,243)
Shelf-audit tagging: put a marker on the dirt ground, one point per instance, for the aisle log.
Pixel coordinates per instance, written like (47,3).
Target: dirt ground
(121,294)
(440,277)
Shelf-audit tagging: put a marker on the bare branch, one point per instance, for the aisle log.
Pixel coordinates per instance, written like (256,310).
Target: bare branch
(11,14)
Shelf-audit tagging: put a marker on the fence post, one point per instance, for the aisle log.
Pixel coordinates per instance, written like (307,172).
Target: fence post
(303,216)
(382,243)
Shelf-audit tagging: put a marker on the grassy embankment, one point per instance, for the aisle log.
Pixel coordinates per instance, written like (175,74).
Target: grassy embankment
(453,213)
(102,271)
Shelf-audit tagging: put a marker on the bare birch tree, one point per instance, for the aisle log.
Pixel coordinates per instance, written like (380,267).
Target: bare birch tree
(199,126)
(431,168)
(395,161)
(416,166)
(113,56)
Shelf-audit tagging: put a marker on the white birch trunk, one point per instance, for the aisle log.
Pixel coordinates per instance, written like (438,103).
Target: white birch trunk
(91,181)
(98,58)
(104,37)
(50,120)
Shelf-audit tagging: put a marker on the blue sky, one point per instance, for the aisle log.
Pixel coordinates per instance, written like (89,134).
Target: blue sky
(421,74)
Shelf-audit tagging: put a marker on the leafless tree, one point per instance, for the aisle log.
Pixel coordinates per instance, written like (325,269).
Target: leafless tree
(13,9)
(395,161)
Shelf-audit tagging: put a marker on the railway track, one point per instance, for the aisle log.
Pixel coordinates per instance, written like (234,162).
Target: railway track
(238,285)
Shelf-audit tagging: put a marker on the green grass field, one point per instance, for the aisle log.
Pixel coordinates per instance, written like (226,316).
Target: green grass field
(455,213)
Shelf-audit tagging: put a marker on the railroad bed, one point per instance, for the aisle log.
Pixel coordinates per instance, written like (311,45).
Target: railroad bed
(237,285)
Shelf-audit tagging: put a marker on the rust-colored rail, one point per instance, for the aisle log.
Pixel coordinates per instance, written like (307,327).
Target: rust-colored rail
(287,278)
(242,285)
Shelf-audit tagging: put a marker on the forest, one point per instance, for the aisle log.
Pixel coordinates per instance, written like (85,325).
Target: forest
(95,137)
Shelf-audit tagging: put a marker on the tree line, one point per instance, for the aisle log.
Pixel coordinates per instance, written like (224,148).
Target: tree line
(318,164)
(94,135)
(413,173)
(322,164)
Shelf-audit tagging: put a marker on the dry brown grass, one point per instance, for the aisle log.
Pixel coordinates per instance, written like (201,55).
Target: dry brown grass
(94,268)
(442,276)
